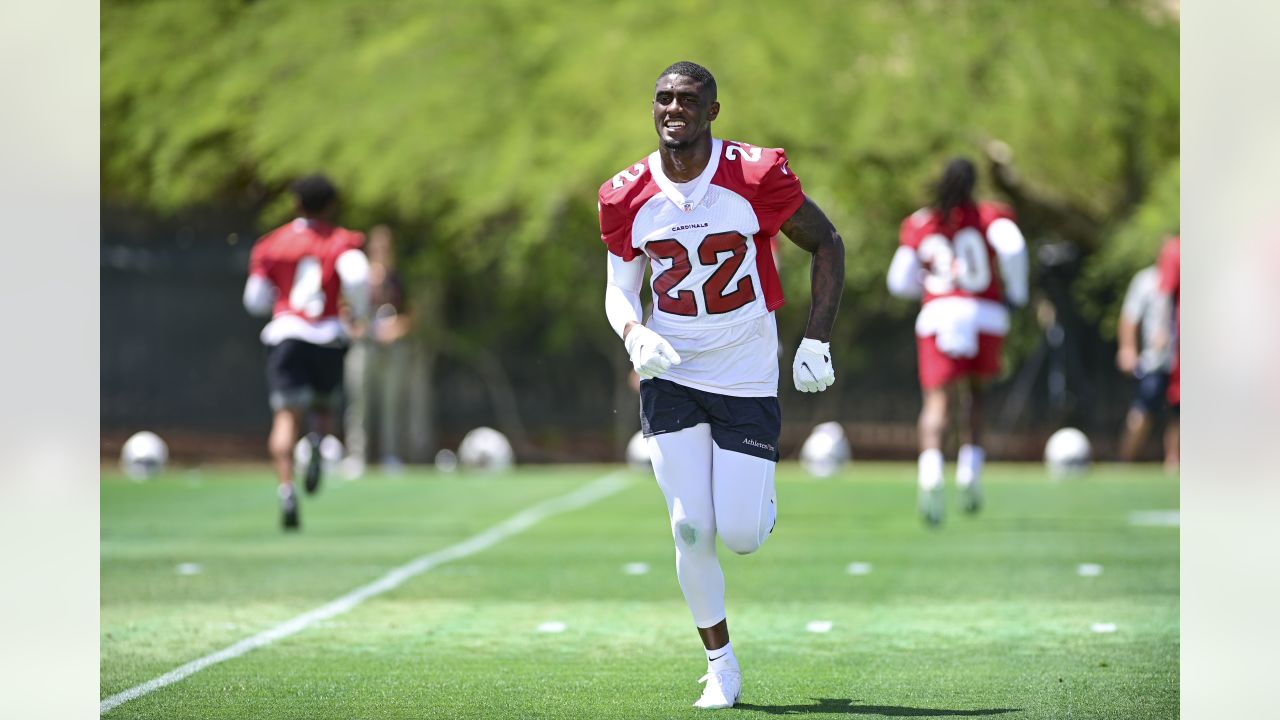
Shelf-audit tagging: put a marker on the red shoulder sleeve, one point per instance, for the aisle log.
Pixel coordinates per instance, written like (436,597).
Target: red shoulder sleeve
(778,194)
(615,231)
(1168,266)
(989,212)
(913,228)
(616,200)
(355,240)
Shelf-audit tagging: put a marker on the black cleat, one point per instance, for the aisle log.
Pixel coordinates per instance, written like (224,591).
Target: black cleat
(288,508)
(312,482)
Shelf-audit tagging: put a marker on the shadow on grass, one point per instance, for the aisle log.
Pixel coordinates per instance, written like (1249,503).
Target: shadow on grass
(846,706)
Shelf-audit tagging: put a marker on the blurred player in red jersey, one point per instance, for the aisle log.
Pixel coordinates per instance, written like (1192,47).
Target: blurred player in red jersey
(701,213)
(1169,266)
(297,273)
(967,261)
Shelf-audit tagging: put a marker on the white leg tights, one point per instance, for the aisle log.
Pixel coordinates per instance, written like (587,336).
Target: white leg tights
(745,500)
(709,490)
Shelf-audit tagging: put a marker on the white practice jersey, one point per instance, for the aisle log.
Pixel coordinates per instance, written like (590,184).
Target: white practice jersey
(714,284)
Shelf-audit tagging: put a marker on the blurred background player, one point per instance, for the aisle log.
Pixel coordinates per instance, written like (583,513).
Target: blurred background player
(967,261)
(1170,288)
(297,274)
(1143,351)
(700,212)
(377,363)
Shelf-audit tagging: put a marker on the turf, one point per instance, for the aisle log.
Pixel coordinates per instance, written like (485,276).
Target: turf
(984,617)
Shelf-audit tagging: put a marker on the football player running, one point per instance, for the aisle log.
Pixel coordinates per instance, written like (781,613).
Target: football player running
(297,273)
(701,213)
(967,262)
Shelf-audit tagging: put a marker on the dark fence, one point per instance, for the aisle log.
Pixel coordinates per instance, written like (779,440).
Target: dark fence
(181,357)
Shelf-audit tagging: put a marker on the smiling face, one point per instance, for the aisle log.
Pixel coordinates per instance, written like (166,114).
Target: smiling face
(682,111)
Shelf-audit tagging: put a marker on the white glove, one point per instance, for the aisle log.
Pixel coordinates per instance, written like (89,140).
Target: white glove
(651,355)
(812,369)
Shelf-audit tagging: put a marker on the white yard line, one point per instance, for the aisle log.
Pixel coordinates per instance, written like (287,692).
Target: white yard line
(1156,518)
(602,488)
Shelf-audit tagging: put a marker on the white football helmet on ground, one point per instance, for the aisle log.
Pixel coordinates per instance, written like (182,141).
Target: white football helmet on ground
(144,455)
(825,450)
(485,449)
(1067,453)
(638,452)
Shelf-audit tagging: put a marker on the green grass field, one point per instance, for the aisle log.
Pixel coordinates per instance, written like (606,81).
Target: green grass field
(984,617)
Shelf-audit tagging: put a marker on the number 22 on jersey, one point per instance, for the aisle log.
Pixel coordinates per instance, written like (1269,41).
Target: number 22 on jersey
(717,297)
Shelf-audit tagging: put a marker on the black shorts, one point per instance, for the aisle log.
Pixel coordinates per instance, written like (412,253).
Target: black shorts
(1152,388)
(301,375)
(749,425)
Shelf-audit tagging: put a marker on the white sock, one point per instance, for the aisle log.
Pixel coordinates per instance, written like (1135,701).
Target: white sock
(969,464)
(721,659)
(930,469)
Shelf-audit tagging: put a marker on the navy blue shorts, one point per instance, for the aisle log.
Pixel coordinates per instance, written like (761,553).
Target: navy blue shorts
(749,425)
(1152,387)
(302,376)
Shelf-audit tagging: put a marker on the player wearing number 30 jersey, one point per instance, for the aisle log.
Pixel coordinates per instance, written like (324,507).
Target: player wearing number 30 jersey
(966,261)
(701,214)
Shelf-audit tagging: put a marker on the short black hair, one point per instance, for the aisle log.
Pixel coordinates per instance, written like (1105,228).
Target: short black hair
(955,188)
(315,193)
(693,71)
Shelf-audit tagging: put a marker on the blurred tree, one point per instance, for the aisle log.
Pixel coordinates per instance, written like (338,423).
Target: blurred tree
(483,129)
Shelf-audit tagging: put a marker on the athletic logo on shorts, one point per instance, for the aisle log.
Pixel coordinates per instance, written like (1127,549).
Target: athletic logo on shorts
(757,443)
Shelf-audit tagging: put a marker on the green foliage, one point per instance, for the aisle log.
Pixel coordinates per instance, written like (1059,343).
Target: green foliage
(486,127)
(1132,247)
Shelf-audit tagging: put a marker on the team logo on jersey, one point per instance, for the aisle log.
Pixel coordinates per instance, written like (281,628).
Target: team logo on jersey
(688,207)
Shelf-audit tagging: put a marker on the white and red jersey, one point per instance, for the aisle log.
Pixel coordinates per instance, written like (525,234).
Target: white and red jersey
(299,260)
(957,257)
(1169,265)
(709,244)
(960,270)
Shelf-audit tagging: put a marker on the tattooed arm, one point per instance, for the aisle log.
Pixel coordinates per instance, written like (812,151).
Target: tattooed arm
(810,229)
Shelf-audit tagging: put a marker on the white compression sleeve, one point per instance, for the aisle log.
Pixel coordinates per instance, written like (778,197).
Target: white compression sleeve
(746,504)
(1011,249)
(353,271)
(259,296)
(904,274)
(682,465)
(622,291)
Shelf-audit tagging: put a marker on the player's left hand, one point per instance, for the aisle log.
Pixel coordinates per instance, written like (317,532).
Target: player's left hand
(812,369)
